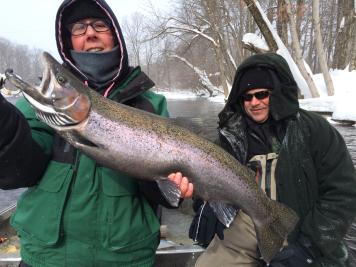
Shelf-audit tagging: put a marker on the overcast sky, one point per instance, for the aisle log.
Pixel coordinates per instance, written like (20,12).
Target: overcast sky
(31,22)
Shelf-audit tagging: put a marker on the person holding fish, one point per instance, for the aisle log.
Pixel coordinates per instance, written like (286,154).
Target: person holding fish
(300,160)
(77,212)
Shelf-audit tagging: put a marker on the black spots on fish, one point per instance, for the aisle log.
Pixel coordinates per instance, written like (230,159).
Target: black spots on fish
(272,232)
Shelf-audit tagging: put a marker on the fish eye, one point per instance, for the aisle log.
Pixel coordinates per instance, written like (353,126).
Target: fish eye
(60,79)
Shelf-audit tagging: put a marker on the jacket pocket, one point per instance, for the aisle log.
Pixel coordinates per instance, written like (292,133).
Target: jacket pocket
(39,210)
(127,221)
(117,184)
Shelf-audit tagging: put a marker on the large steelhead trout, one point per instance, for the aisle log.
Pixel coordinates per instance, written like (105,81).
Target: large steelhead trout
(150,147)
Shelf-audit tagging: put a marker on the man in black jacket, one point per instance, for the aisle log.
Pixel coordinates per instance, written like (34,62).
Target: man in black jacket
(299,159)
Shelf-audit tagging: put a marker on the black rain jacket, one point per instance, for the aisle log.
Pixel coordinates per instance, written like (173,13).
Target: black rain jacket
(315,175)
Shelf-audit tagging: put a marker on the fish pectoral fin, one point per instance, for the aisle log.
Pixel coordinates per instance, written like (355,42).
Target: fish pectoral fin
(84,143)
(224,212)
(271,236)
(77,140)
(170,191)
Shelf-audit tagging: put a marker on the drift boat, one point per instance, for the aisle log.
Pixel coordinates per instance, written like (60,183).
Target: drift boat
(169,253)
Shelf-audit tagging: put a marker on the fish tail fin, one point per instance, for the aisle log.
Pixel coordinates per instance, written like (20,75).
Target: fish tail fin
(271,235)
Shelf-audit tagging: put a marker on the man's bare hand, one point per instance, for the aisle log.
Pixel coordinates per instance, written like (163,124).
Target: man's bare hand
(186,188)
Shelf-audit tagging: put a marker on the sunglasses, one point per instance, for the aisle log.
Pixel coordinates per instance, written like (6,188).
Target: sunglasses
(259,95)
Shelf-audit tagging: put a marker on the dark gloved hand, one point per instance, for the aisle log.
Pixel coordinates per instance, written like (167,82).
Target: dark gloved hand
(2,82)
(8,121)
(205,224)
(3,104)
(298,254)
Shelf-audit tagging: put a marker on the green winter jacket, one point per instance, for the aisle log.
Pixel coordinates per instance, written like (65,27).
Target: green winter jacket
(81,213)
(315,175)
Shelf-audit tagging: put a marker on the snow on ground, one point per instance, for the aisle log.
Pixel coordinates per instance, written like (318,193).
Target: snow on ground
(219,98)
(320,104)
(178,94)
(345,96)
(342,104)
(186,94)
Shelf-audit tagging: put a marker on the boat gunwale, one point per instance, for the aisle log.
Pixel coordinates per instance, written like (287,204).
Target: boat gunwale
(6,213)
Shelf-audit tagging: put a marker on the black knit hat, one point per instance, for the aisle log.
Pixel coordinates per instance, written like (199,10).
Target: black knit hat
(83,9)
(254,78)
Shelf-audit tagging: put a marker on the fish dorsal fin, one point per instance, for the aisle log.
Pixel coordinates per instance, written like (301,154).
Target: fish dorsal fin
(170,191)
(224,212)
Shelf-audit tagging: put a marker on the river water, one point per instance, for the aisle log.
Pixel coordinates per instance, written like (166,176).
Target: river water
(200,115)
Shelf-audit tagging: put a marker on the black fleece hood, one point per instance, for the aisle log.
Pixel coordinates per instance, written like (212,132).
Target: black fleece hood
(284,94)
(63,37)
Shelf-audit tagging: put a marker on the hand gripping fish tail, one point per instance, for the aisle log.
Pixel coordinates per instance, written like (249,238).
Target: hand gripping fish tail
(150,147)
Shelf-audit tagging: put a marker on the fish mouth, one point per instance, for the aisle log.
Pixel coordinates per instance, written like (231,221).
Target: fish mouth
(56,101)
(26,88)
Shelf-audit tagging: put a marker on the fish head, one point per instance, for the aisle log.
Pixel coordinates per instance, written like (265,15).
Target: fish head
(67,93)
(61,99)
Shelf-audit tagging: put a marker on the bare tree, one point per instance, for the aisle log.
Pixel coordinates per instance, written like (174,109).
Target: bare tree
(297,52)
(149,54)
(265,30)
(353,48)
(282,21)
(320,49)
(166,71)
(203,77)
(133,30)
(344,40)
(213,15)
(209,22)
(23,60)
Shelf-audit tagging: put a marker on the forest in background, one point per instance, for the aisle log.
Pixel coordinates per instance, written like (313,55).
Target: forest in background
(199,43)
(25,61)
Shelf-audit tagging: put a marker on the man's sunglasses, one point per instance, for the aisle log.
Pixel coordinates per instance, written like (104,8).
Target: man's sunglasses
(80,28)
(259,95)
